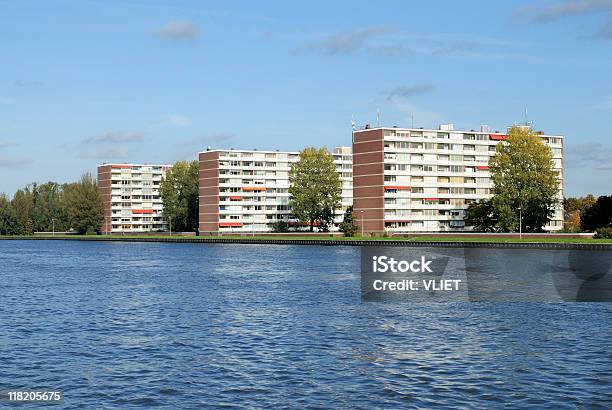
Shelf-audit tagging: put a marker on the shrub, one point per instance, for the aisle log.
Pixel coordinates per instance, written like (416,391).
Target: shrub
(348,225)
(603,233)
(280,226)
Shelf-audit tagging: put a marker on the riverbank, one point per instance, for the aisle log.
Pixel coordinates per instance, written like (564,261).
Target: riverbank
(423,241)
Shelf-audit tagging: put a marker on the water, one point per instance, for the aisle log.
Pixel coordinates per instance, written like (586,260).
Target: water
(122,325)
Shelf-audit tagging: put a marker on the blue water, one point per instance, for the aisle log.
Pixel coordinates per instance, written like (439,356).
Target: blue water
(122,325)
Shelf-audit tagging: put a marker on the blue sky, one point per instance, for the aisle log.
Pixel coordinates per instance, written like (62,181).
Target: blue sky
(85,82)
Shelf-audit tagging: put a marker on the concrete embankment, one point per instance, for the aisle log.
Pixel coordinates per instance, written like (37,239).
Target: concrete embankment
(329,242)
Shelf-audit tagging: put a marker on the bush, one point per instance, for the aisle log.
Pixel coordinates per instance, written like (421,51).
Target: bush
(603,233)
(348,225)
(280,226)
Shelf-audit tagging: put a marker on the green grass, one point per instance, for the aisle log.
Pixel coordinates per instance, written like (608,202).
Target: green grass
(338,238)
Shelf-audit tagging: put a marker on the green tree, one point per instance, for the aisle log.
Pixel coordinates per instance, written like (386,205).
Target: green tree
(280,226)
(348,225)
(83,205)
(524,179)
(9,222)
(315,187)
(23,204)
(575,210)
(481,216)
(39,206)
(599,215)
(180,196)
(47,209)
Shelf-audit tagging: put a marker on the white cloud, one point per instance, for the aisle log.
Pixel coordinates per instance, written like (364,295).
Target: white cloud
(590,154)
(115,137)
(389,41)
(350,41)
(405,91)
(178,30)
(549,12)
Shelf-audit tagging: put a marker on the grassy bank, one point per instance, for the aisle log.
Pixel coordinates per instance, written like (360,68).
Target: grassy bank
(298,237)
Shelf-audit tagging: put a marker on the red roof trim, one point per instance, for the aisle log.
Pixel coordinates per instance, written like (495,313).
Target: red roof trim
(398,187)
(142,211)
(230,224)
(498,137)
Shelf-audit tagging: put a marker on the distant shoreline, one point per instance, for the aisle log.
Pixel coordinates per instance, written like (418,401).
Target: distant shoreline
(551,244)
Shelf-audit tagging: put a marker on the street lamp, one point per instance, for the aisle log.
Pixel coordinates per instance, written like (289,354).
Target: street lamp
(53,224)
(520,222)
(361,212)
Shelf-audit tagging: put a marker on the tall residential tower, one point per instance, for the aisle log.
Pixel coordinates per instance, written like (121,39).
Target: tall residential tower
(247,191)
(130,197)
(418,180)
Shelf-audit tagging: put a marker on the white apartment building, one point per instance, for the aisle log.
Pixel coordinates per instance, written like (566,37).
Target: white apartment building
(131,199)
(246,191)
(422,180)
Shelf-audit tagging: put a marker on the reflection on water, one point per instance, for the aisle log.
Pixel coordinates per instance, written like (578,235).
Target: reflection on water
(193,325)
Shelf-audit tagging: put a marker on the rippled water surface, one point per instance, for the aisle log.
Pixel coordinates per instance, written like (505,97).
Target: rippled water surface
(120,325)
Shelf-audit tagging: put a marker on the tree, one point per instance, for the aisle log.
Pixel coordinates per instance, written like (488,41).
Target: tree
(599,215)
(83,205)
(572,222)
(524,180)
(23,204)
(348,225)
(575,209)
(39,207)
(481,216)
(280,226)
(9,222)
(180,196)
(315,187)
(48,209)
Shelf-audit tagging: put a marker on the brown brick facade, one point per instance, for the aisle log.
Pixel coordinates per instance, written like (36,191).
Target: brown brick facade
(368,180)
(105,189)
(209,192)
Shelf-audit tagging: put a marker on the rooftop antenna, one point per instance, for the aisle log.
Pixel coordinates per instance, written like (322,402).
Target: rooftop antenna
(377,118)
(527,122)
(411,120)
(353,121)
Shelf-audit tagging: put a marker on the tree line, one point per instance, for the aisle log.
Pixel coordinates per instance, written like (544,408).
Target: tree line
(75,206)
(588,213)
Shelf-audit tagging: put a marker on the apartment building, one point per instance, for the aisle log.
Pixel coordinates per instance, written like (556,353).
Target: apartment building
(244,191)
(130,195)
(422,180)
